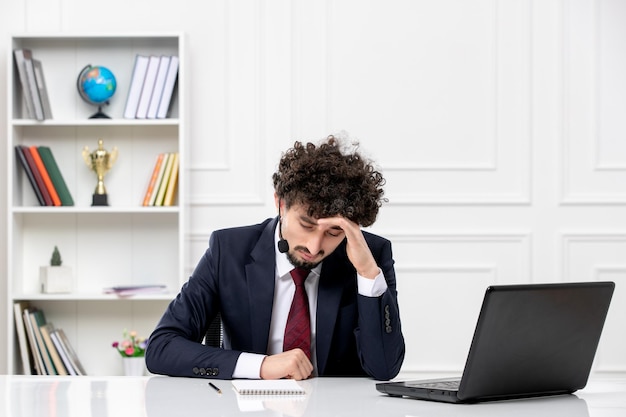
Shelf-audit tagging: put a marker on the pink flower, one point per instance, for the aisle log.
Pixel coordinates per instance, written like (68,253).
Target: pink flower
(130,345)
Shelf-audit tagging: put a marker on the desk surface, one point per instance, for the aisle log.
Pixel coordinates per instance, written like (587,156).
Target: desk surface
(156,396)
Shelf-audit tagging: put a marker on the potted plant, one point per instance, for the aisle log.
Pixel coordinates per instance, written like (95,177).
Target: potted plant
(132,349)
(56,278)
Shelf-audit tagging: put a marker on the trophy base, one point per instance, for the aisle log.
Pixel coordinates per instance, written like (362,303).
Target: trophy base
(99,200)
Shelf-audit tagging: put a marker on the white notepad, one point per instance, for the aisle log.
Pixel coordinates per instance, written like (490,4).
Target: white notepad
(267,387)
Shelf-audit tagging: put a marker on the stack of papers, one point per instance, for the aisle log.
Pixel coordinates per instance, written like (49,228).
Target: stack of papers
(130,290)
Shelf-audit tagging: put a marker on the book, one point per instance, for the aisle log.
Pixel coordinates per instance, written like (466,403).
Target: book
(42,89)
(56,201)
(20,65)
(170,192)
(165,180)
(32,84)
(168,88)
(29,174)
(159,180)
(159,83)
(32,342)
(69,350)
(20,329)
(46,330)
(130,290)
(267,387)
(153,179)
(62,353)
(38,319)
(36,174)
(55,176)
(148,87)
(136,84)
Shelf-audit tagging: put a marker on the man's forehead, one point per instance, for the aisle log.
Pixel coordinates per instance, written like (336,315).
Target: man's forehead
(302,211)
(314,221)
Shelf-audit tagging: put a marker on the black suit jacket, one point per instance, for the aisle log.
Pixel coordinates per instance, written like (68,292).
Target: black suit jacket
(355,335)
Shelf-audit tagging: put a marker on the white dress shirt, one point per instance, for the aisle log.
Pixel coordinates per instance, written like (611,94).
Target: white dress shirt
(249,364)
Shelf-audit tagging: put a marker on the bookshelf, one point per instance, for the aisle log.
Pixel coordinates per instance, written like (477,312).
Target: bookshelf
(124,243)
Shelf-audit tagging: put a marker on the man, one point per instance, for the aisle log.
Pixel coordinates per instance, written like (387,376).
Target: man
(352,326)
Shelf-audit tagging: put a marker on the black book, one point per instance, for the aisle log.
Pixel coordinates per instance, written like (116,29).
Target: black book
(29,174)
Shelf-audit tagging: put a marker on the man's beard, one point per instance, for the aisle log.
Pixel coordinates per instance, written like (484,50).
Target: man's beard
(298,263)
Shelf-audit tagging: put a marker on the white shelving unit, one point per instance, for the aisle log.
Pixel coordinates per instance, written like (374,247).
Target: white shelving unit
(121,244)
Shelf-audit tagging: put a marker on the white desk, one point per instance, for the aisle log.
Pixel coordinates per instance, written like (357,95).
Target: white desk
(156,396)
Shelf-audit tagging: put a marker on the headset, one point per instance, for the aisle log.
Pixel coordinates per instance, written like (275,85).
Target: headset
(283,245)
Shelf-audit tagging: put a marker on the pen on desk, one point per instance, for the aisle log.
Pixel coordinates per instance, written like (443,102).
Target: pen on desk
(219,391)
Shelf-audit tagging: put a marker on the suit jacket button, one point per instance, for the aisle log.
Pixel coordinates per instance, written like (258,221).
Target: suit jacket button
(216,371)
(388,329)
(202,371)
(195,370)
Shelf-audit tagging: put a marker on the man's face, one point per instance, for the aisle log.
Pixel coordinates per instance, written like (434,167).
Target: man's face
(309,242)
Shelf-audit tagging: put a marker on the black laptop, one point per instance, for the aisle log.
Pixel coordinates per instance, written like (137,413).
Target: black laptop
(530,340)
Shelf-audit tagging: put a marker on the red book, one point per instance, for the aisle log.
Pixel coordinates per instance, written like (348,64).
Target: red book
(37,175)
(153,180)
(56,201)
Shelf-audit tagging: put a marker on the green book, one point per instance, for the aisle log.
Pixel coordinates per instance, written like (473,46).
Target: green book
(38,319)
(55,176)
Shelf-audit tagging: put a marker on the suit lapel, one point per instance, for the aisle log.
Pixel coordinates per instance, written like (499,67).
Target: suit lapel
(260,276)
(329,295)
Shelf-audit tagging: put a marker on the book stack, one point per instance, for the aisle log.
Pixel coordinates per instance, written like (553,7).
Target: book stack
(44,175)
(44,349)
(161,190)
(151,87)
(33,84)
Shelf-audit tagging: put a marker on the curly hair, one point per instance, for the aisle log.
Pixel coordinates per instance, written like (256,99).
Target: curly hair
(329,182)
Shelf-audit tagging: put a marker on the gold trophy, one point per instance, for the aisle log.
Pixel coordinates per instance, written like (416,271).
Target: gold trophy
(100,161)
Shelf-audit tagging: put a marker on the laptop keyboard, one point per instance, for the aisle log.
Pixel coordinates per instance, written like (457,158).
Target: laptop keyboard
(443,385)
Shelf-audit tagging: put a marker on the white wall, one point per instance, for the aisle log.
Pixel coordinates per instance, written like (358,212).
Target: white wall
(498,125)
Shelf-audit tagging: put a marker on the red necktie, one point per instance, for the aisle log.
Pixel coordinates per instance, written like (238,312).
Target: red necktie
(298,329)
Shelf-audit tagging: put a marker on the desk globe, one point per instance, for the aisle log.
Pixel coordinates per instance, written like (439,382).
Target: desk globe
(96,85)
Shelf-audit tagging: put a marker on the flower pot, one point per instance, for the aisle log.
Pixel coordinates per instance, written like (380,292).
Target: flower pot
(134,366)
(55,279)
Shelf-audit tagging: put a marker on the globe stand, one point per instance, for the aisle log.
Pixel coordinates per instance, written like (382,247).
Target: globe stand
(99,114)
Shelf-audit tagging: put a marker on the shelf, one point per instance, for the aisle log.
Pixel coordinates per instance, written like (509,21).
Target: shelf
(102,36)
(122,244)
(92,297)
(97,210)
(95,122)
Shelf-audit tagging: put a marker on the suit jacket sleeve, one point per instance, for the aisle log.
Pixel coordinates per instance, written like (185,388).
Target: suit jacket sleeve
(380,343)
(174,347)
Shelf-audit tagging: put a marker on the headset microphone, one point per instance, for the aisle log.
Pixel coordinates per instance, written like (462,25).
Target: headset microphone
(283,245)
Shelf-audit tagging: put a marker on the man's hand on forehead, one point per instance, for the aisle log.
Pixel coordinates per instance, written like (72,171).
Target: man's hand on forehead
(358,251)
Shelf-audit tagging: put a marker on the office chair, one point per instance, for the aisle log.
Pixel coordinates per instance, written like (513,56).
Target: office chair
(214,335)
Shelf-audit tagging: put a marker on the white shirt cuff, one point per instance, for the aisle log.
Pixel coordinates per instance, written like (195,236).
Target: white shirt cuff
(248,366)
(372,287)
